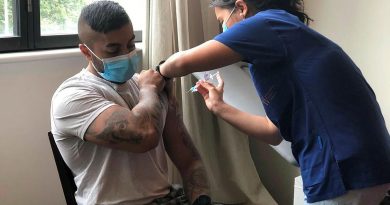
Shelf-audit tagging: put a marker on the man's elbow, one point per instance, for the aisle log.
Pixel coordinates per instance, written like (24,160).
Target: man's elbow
(148,140)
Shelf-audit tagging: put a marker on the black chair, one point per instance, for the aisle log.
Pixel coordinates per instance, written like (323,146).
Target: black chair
(386,200)
(66,176)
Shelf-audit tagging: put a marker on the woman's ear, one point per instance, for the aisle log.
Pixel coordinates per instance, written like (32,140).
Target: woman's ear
(242,8)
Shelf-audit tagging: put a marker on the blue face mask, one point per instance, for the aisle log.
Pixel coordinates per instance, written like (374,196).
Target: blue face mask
(118,69)
(224,26)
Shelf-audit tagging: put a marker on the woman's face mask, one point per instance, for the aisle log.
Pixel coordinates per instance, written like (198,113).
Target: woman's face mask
(118,69)
(224,24)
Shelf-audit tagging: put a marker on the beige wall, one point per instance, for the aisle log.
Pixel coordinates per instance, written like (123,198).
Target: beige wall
(27,170)
(362,29)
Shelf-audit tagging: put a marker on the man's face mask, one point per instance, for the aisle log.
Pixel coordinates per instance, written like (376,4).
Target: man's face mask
(224,26)
(118,69)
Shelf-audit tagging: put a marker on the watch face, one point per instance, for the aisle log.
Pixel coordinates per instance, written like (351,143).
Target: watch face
(203,200)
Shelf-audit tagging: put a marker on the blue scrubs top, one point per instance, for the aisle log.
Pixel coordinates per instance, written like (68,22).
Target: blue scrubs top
(319,100)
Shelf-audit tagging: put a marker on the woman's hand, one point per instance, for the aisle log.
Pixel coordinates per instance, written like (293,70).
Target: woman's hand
(212,95)
(255,126)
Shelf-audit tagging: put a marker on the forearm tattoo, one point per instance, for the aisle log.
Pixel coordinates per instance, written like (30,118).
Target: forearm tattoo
(133,126)
(196,183)
(114,130)
(185,136)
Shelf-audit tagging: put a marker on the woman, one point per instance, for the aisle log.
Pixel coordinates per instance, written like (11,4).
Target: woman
(312,92)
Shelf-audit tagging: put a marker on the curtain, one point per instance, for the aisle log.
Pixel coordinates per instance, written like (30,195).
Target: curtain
(175,25)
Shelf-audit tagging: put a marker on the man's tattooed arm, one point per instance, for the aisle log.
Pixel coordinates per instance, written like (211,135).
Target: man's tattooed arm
(136,130)
(184,155)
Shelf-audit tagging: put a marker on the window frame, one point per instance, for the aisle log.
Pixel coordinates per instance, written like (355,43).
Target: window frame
(27,31)
(50,41)
(19,40)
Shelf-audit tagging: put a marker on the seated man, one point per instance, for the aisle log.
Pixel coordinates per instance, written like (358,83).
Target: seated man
(114,129)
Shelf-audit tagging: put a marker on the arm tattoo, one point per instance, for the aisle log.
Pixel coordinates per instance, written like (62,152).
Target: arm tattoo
(140,126)
(114,129)
(185,136)
(196,182)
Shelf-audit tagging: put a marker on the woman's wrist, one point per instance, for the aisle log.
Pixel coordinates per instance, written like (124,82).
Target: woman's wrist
(158,67)
(218,108)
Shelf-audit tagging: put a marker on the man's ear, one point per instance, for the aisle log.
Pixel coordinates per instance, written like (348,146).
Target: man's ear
(84,50)
(242,8)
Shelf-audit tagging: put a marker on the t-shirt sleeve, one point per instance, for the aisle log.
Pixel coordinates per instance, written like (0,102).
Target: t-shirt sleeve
(254,39)
(74,109)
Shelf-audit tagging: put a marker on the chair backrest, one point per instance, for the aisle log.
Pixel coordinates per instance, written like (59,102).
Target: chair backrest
(386,200)
(66,176)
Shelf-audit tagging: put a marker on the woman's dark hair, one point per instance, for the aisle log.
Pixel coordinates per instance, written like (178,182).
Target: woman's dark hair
(295,7)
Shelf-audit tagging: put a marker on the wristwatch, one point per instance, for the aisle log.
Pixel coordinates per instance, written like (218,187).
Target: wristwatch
(158,70)
(202,200)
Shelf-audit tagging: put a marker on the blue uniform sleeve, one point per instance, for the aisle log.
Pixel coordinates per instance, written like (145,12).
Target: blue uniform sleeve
(255,40)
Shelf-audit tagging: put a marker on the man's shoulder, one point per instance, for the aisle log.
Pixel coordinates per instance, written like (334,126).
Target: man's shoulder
(76,85)
(81,80)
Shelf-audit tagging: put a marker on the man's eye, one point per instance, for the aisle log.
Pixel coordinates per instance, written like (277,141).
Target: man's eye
(112,52)
(131,47)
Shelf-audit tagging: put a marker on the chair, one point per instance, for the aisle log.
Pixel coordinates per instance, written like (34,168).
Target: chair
(386,200)
(66,177)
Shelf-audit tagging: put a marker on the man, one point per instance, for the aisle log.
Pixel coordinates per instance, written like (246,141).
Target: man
(112,129)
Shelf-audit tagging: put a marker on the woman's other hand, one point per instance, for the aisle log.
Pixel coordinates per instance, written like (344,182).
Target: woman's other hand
(212,95)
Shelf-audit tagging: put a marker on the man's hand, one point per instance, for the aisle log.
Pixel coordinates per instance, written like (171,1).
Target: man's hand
(151,78)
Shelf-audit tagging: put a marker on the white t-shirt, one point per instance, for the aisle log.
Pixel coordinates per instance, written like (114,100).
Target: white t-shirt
(104,175)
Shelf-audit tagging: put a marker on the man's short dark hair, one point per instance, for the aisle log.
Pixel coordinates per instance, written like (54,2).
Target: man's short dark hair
(104,16)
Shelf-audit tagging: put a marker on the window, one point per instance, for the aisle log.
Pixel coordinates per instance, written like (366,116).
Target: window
(45,24)
(7,11)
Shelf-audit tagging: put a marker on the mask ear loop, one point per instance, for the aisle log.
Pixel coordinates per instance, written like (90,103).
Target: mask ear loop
(92,52)
(93,65)
(230,15)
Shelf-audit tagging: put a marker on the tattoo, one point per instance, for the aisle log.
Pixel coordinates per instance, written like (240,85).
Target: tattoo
(196,182)
(188,143)
(114,129)
(185,136)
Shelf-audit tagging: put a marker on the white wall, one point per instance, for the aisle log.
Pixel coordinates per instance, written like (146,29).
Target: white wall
(362,29)
(28,173)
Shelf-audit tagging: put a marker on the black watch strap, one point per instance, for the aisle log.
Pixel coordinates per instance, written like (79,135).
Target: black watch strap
(202,200)
(158,70)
